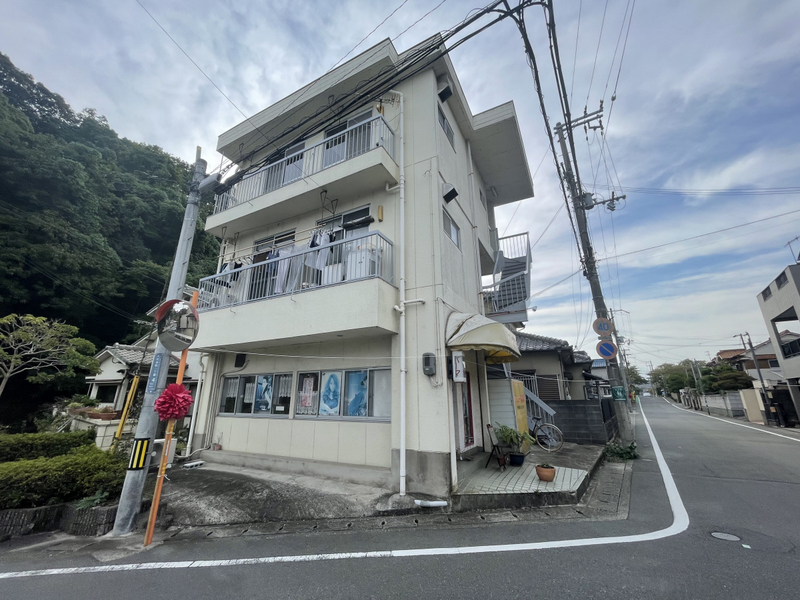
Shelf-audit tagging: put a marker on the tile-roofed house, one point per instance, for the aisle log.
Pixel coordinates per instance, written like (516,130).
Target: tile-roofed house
(132,355)
(599,363)
(529,342)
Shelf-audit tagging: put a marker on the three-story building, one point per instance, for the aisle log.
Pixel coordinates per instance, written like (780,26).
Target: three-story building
(364,235)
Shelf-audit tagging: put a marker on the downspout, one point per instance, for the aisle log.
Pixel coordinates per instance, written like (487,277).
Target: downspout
(402,305)
(471,176)
(196,414)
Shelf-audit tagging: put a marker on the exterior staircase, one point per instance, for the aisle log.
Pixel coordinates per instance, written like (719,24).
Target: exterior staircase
(507,296)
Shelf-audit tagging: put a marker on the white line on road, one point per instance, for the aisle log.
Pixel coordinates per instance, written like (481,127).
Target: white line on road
(780,435)
(680,521)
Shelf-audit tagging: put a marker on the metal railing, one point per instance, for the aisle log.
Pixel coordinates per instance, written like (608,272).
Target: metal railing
(536,407)
(353,141)
(513,266)
(299,270)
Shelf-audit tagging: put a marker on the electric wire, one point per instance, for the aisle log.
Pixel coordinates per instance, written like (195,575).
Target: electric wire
(597,52)
(694,237)
(533,178)
(402,4)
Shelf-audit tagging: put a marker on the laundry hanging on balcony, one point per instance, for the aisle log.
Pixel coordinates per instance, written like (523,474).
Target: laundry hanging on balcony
(475,332)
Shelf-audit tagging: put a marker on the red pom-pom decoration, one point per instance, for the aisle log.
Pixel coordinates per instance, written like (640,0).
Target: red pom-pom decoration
(174,402)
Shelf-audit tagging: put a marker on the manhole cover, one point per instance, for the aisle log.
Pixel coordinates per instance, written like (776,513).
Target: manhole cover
(728,537)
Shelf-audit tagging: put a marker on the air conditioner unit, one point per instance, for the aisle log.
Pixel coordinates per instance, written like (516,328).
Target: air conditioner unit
(444,87)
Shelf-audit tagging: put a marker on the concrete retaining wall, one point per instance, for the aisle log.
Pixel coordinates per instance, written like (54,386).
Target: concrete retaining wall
(726,404)
(94,521)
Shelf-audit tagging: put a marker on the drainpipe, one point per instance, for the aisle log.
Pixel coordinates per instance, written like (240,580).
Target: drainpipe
(402,306)
(196,414)
(475,227)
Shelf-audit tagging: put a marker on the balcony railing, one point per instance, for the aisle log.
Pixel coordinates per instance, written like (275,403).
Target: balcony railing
(353,141)
(300,270)
(510,287)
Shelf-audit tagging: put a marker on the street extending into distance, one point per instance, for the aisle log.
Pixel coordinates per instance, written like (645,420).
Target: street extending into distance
(731,478)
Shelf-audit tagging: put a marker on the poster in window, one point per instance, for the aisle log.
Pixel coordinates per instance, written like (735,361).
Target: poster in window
(263,393)
(331,393)
(356,393)
(308,385)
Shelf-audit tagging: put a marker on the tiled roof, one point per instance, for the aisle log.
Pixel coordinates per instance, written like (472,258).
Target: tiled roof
(723,354)
(132,355)
(529,342)
(580,357)
(599,363)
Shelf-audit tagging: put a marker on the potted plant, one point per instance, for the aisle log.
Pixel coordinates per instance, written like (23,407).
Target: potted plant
(105,414)
(516,440)
(545,472)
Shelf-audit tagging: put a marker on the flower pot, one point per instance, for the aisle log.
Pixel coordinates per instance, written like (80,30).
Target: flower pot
(216,446)
(545,474)
(515,459)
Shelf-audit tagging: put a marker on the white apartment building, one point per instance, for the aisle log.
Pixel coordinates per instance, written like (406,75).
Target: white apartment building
(303,322)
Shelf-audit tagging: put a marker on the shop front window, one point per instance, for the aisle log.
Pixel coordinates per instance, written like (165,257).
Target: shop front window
(263,394)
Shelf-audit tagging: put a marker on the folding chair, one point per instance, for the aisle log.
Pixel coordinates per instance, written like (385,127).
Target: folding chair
(497,449)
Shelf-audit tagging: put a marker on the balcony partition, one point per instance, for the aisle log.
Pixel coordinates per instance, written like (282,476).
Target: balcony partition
(299,270)
(353,141)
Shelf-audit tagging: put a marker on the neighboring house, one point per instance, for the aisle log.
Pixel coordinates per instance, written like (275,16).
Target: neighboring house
(780,307)
(562,379)
(600,368)
(119,365)
(303,321)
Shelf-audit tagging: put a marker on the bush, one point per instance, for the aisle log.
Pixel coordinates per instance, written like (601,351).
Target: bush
(28,446)
(85,471)
(616,452)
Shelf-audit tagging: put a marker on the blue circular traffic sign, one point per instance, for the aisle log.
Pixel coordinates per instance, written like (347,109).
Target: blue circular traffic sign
(606,350)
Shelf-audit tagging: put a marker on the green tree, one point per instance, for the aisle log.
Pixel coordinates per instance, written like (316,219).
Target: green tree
(724,377)
(42,348)
(634,377)
(670,377)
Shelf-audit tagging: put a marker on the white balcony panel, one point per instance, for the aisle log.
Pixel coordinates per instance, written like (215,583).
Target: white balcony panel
(347,310)
(348,179)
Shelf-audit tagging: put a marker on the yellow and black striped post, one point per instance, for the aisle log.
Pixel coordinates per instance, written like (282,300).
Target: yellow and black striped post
(139,454)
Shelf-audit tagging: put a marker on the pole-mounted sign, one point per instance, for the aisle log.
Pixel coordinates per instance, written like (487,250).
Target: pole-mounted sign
(603,327)
(606,350)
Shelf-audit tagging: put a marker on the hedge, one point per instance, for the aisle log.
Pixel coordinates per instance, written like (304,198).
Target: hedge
(44,481)
(28,446)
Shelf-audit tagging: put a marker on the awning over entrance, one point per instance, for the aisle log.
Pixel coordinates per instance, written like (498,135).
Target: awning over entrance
(475,332)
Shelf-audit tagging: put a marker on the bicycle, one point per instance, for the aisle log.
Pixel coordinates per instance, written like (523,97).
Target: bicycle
(547,435)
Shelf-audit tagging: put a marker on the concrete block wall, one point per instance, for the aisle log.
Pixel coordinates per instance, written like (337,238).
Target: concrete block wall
(581,421)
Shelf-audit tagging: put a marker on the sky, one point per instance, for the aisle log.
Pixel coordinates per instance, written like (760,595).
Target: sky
(701,118)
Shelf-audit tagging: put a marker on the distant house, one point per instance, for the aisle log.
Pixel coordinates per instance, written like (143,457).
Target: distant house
(562,378)
(780,307)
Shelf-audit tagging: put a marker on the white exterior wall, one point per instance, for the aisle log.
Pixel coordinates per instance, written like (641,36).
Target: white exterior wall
(445,277)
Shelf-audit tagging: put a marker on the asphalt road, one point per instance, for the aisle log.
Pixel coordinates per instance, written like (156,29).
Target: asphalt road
(731,479)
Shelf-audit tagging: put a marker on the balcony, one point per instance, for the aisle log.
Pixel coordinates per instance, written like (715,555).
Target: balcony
(340,290)
(357,160)
(507,296)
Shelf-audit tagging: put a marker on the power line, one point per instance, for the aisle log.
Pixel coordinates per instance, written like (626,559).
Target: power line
(520,202)
(597,52)
(772,191)
(694,237)
(418,20)
(402,4)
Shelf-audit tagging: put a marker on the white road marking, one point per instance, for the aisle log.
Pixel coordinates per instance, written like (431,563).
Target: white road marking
(680,522)
(780,435)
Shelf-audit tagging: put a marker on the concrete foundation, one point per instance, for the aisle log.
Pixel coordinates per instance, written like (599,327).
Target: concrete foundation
(426,472)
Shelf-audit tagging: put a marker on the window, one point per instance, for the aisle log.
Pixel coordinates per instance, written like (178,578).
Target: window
(294,163)
(448,131)
(773,363)
(782,280)
(346,140)
(356,393)
(482,197)
(272,241)
(766,294)
(106,394)
(451,229)
(256,394)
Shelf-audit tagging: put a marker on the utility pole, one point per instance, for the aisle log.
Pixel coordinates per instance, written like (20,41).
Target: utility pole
(579,204)
(624,361)
(131,498)
(758,369)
